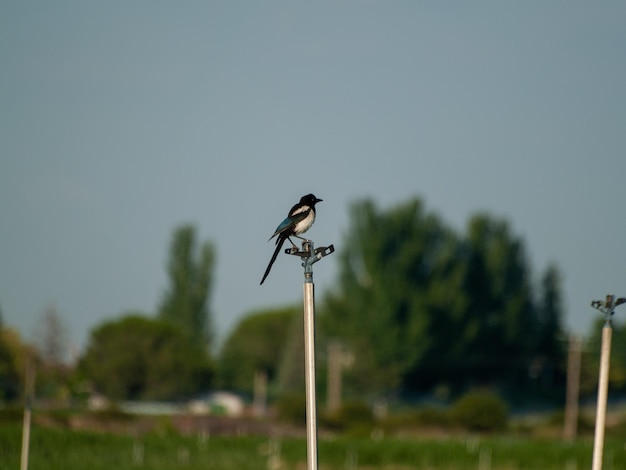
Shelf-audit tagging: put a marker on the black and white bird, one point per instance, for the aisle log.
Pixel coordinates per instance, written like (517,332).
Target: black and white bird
(299,220)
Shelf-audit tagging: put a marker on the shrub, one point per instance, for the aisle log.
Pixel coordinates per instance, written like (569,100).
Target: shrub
(355,418)
(480,410)
(356,412)
(584,424)
(292,409)
(434,416)
(12,414)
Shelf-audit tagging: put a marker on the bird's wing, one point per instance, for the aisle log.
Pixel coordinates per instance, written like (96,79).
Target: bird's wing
(290,222)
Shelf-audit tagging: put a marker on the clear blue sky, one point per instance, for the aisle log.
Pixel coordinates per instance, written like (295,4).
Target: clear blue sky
(121,120)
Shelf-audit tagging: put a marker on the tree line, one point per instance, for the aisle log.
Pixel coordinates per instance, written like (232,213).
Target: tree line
(421,305)
(417,307)
(138,357)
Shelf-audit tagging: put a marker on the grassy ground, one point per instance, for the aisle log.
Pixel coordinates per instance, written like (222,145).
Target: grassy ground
(56,449)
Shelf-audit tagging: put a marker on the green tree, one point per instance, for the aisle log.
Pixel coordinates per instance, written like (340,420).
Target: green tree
(186,301)
(136,357)
(419,305)
(53,374)
(256,343)
(501,321)
(15,356)
(550,345)
(9,376)
(397,268)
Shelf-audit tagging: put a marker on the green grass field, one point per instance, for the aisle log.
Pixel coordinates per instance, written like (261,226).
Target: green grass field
(53,449)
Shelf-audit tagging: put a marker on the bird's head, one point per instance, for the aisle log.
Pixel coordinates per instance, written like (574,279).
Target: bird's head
(309,200)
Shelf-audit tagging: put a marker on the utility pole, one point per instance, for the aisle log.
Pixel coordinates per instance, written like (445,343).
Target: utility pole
(570,427)
(260,393)
(338,359)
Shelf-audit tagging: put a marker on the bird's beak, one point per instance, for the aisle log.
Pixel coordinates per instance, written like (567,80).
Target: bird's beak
(318,200)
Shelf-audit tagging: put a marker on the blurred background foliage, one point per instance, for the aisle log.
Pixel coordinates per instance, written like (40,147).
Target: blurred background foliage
(421,310)
(421,305)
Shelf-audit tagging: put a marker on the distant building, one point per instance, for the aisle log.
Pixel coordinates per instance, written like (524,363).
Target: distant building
(218,403)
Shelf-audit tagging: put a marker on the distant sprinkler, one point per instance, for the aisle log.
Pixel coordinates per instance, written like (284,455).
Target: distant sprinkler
(608,308)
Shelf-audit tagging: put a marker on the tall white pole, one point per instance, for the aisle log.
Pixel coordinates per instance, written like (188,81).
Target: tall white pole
(309,372)
(29,396)
(25,439)
(309,256)
(603,388)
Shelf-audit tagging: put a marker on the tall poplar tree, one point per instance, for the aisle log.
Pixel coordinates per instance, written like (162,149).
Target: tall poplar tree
(186,300)
(550,344)
(501,314)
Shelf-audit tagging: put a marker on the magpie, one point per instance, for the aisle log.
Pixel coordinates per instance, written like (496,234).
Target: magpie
(299,219)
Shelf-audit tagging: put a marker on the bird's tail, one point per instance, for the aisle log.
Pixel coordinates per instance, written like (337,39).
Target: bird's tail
(279,245)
